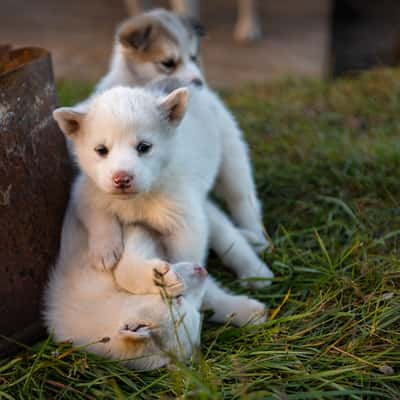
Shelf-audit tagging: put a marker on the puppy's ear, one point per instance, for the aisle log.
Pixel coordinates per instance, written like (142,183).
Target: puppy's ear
(138,330)
(195,26)
(135,33)
(174,105)
(69,120)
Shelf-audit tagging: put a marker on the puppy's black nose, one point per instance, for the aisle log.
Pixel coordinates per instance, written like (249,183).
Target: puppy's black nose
(122,180)
(197,82)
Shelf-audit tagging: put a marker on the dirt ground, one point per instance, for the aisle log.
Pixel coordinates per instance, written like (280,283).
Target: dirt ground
(79,34)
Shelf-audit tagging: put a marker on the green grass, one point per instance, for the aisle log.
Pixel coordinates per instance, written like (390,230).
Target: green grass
(327,164)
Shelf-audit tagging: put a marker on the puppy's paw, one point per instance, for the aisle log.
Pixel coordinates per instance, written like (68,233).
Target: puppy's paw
(105,254)
(258,277)
(249,311)
(168,280)
(257,240)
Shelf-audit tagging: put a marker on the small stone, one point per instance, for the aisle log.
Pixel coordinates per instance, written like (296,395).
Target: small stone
(387,296)
(55,353)
(386,370)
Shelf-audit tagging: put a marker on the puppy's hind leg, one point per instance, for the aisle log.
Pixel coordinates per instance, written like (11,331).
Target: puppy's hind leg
(234,251)
(236,186)
(239,310)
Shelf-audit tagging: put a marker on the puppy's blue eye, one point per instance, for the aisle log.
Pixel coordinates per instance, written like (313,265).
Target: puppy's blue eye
(101,150)
(143,147)
(194,58)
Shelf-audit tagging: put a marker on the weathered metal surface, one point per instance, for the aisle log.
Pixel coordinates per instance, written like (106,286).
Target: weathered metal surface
(5,50)
(34,182)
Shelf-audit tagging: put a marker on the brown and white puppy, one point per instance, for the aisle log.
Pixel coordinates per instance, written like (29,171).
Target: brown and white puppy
(152,46)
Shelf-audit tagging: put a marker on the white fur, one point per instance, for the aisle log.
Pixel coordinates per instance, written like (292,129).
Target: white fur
(192,156)
(171,182)
(171,201)
(97,310)
(234,182)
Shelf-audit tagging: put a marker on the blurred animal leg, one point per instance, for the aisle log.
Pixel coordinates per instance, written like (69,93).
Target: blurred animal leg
(248,26)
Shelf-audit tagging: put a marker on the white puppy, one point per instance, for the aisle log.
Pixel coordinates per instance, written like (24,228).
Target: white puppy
(98,311)
(160,44)
(143,162)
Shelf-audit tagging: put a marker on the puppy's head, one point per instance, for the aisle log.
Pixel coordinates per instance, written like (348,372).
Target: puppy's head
(160,44)
(126,137)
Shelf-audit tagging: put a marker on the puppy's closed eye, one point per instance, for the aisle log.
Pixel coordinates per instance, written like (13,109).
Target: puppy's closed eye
(137,330)
(169,65)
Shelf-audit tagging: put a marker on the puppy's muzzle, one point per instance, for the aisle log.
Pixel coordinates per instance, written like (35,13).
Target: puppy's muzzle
(122,180)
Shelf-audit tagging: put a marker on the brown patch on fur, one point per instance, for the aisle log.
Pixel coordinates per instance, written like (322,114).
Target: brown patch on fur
(145,39)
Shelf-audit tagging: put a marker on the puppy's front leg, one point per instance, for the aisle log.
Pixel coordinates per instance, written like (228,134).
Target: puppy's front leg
(139,276)
(140,270)
(105,239)
(105,244)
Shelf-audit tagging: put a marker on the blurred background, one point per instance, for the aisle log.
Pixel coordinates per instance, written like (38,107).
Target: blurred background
(307,38)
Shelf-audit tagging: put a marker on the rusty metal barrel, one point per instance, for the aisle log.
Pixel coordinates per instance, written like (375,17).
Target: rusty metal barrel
(35,175)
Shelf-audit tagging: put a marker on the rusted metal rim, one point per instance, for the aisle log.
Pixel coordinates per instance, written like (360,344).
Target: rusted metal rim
(12,60)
